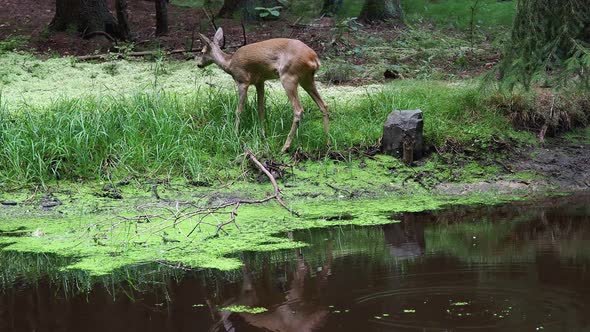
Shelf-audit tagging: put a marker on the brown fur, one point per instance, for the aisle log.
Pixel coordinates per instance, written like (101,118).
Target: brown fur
(266,60)
(289,60)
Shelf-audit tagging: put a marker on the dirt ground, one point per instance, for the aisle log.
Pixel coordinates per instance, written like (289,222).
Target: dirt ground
(565,163)
(31,17)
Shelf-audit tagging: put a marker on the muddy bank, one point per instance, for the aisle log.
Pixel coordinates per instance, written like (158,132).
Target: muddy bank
(558,165)
(564,163)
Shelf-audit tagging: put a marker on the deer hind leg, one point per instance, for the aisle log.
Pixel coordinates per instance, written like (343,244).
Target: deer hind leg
(290,84)
(243,94)
(308,84)
(260,99)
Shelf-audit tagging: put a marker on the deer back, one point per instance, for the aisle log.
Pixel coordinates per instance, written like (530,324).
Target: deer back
(271,59)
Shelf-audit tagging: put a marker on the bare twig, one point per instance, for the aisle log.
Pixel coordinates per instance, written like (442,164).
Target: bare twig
(136,54)
(172,214)
(273,181)
(100,33)
(244,34)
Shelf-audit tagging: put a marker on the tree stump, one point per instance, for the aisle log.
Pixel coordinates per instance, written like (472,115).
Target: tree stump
(403,135)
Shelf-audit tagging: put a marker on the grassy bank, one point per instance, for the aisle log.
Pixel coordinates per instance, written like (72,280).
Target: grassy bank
(462,14)
(163,134)
(65,120)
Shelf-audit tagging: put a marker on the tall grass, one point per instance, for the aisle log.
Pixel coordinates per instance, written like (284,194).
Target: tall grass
(164,134)
(458,13)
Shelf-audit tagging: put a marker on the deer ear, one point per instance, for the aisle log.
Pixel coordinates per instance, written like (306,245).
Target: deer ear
(204,39)
(218,39)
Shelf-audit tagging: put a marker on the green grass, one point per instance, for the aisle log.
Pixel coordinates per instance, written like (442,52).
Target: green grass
(11,43)
(192,134)
(579,136)
(457,13)
(188,3)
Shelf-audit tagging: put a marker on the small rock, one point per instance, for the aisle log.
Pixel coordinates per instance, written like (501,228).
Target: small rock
(403,126)
(49,201)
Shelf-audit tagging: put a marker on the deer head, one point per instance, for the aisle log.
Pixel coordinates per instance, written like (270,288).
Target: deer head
(209,48)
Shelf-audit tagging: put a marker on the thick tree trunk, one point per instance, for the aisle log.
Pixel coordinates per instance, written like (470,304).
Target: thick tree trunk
(122,18)
(96,17)
(67,13)
(161,17)
(230,7)
(88,17)
(381,10)
(331,7)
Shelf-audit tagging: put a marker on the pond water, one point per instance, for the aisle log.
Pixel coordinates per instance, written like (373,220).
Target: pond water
(516,267)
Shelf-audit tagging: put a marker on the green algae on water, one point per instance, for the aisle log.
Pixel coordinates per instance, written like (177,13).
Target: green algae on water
(261,228)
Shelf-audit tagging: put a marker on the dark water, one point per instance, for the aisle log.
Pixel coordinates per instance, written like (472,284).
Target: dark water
(518,267)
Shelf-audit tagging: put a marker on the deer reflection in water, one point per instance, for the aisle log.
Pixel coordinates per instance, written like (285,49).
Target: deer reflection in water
(406,238)
(297,313)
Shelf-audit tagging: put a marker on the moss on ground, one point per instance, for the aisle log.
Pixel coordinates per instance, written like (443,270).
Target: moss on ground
(87,228)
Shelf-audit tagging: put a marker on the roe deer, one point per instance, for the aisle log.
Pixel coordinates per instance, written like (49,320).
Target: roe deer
(289,60)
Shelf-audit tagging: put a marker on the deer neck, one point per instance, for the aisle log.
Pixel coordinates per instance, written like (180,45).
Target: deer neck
(222,59)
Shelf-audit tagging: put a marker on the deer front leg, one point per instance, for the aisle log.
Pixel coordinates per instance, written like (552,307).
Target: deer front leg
(309,86)
(243,94)
(260,99)
(290,84)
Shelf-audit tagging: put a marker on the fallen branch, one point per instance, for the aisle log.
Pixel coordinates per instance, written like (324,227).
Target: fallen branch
(273,181)
(337,189)
(172,214)
(99,33)
(134,54)
(139,54)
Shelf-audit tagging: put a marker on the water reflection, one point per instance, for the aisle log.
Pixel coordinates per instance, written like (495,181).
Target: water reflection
(519,267)
(406,239)
(298,311)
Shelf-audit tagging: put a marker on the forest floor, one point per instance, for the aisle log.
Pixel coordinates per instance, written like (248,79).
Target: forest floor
(343,41)
(32,18)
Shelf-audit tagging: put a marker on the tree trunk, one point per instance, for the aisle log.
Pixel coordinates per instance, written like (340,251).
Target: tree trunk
(161,17)
(67,13)
(231,7)
(89,17)
(585,36)
(331,7)
(381,10)
(122,18)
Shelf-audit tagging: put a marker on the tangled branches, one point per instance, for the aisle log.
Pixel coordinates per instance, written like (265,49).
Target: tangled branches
(171,215)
